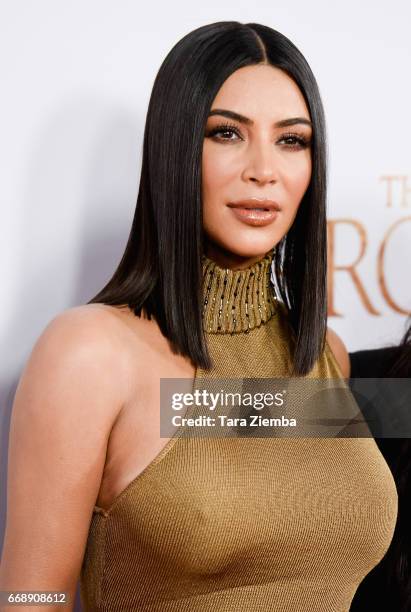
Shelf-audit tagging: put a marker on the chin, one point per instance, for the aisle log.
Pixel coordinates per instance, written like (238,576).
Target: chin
(228,236)
(243,246)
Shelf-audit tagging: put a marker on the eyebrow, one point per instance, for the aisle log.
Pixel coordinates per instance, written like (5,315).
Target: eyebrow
(242,119)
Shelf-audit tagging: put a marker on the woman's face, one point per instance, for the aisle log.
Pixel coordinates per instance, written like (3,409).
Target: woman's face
(253,159)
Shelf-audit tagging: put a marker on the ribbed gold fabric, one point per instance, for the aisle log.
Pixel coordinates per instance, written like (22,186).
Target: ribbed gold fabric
(244,524)
(237,300)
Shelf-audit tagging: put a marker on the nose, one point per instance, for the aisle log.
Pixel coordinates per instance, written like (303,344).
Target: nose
(261,165)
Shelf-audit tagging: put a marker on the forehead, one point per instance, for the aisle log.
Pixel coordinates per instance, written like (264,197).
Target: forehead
(261,91)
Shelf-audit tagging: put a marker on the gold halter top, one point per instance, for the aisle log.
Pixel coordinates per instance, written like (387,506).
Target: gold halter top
(244,524)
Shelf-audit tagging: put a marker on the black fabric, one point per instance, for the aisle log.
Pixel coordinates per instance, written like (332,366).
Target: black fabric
(374,363)
(387,587)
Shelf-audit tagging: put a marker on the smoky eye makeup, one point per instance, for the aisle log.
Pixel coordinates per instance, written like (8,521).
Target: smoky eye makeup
(290,139)
(296,140)
(226,128)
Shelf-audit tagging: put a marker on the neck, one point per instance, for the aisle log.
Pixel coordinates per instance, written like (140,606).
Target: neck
(227,259)
(237,300)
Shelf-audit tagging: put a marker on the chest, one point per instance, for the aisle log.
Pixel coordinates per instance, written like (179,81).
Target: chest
(264,504)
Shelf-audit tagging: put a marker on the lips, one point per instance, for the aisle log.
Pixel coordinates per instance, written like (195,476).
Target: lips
(255,211)
(256,204)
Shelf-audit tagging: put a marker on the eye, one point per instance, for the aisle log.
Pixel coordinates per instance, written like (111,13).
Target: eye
(228,132)
(295,141)
(224,132)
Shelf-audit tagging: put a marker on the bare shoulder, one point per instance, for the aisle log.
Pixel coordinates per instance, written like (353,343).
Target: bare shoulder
(97,321)
(96,327)
(340,351)
(85,346)
(70,393)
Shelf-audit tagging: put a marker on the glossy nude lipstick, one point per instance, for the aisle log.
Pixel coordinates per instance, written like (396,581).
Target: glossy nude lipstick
(255,211)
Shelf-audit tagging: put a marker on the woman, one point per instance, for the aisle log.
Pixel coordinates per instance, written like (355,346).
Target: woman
(233,182)
(388,585)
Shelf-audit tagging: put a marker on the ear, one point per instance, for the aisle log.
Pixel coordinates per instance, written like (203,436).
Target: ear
(340,352)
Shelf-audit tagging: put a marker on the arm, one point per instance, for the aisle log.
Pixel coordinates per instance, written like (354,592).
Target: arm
(340,352)
(67,400)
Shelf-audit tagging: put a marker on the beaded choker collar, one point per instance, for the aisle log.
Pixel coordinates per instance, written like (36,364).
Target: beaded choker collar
(237,300)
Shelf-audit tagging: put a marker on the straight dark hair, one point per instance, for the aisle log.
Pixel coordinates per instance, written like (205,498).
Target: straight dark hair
(161,268)
(401,368)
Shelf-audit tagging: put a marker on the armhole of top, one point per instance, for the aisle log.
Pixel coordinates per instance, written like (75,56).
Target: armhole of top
(179,432)
(333,360)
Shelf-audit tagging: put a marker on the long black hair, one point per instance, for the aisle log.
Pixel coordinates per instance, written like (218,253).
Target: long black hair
(401,367)
(161,268)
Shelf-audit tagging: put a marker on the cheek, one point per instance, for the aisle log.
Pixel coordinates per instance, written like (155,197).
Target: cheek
(217,168)
(297,179)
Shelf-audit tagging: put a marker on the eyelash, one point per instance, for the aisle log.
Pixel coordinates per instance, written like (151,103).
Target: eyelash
(302,141)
